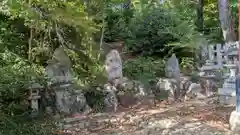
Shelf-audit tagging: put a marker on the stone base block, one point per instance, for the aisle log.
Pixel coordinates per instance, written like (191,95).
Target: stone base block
(234,122)
(227,100)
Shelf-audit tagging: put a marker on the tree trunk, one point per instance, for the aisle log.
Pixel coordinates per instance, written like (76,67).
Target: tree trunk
(102,34)
(226,20)
(200,20)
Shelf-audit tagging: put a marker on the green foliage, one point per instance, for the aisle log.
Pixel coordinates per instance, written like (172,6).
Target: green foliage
(10,125)
(186,9)
(212,28)
(144,68)
(153,29)
(29,33)
(95,97)
(187,65)
(31,30)
(148,32)
(17,75)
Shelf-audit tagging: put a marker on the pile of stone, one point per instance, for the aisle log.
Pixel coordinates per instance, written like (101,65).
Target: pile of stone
(67,98)
(121,89)
(183,87)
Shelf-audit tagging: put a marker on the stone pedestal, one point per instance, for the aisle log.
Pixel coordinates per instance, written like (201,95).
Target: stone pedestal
(227,94)
(209,70)
(234,122)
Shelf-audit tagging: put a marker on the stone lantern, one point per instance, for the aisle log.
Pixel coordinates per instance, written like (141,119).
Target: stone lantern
(34,98)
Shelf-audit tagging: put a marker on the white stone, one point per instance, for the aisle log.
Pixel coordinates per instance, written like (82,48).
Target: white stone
(194,87)
(163,84)
(201,73)
(193,90)
(234,122)
(233,72)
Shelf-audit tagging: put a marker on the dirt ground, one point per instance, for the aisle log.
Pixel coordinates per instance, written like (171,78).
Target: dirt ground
(187,118)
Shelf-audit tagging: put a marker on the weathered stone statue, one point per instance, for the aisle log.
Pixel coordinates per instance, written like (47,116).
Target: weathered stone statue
(69,98)
(59,67)
(113,66)
(172,68)
(173,72)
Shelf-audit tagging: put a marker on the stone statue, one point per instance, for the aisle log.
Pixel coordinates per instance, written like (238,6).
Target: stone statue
(113,66)
(173,72)
(172,68)
(69,98)
(59,67)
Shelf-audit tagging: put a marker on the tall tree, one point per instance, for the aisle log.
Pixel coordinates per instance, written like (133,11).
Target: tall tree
(225,17)
(200,19)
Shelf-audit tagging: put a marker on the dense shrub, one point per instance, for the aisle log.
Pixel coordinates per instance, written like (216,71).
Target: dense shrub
(95,97)
(187,65)
(148,33)
(10,125)
(16,76)
(154,32)
(144,68)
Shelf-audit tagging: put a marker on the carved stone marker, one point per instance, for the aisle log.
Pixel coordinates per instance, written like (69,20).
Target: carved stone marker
(173,71)
(113,66)
(59,67)
(69,98)
(172,68)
